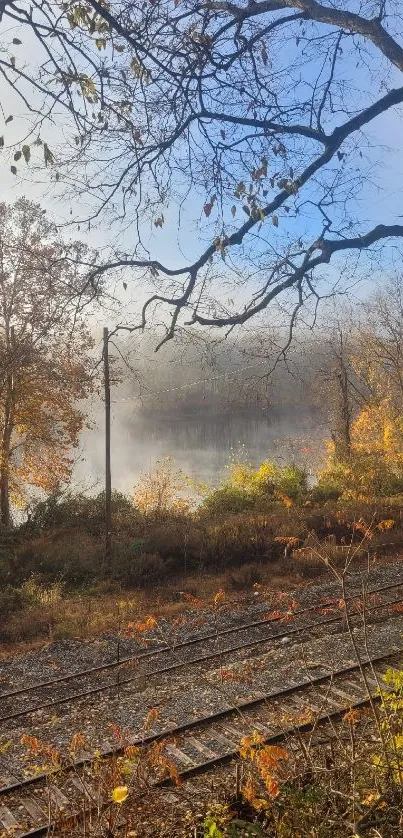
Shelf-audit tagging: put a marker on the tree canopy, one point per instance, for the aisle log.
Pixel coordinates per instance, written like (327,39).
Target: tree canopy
(45,363)
(248,127)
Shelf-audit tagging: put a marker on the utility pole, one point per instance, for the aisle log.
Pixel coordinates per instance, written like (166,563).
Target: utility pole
(108,479)
(7,430)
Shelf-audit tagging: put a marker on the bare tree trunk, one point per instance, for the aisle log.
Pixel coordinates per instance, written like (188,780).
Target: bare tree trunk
(341,434)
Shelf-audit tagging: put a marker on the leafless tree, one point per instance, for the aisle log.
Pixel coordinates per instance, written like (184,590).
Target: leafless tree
(381,338)
(252,120)
(334,383)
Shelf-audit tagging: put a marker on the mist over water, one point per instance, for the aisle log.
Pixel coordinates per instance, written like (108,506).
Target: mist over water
(202,407)
(201,444)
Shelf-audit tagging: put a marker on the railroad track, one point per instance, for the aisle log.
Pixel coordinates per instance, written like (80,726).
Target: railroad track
(191,652)
(40,805)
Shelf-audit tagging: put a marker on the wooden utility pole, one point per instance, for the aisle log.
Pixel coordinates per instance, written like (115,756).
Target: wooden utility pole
(7,430)
(108,479)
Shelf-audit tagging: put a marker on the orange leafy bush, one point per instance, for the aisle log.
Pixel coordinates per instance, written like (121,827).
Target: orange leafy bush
(268,761)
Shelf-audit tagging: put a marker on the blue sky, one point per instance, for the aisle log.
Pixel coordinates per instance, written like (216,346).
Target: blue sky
(380,199)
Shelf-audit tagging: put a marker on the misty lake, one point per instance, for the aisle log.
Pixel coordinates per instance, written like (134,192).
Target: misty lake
(201,445)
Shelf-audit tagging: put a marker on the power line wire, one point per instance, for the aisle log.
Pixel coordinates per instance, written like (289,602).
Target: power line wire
(194,383)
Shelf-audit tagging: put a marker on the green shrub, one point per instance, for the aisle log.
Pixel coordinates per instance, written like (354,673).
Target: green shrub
(256,489)
(227,500)
(135,568)
(11,600)
(80,511)
(291,480)
(70,556)
(324,492)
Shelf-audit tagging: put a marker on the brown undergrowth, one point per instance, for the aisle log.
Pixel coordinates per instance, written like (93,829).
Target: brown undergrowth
(59,557)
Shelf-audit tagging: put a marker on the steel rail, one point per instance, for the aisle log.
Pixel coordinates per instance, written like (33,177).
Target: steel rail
(202,721)
(290,631)
(207,765)
(273,739)
(191,642)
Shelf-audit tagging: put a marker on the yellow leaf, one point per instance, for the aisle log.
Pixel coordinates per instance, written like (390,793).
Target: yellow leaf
(370,799)
(119,794)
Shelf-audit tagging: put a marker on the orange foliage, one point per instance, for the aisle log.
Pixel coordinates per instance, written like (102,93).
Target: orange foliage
(287,540)
(76,742)
(143,626)
(193,600)
(379,430)
(150,718)
(352,716)
(268,761)
(284,499)
(273,615)
(228,675)
(44,351)
(219,597)
(163,491)
(35,748)
(388,524)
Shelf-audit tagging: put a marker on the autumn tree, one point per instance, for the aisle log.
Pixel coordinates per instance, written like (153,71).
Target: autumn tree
(378,362)
(373,365)
(380,328)
(163,491)
(44,352)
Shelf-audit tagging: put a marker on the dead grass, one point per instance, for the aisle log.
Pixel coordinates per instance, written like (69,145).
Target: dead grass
(180,555)
(86,616)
